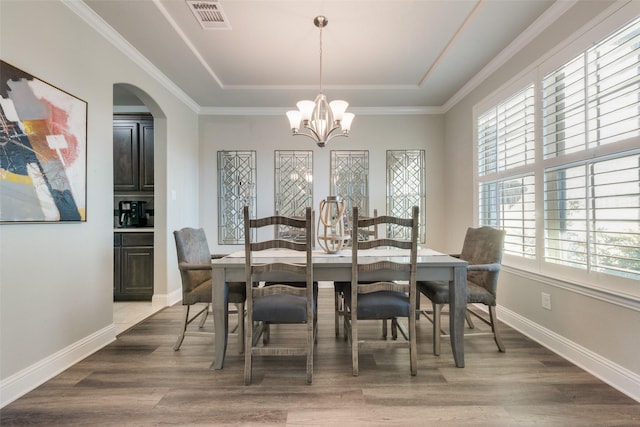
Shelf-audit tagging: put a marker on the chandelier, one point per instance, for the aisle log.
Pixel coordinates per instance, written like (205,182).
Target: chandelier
(321,120)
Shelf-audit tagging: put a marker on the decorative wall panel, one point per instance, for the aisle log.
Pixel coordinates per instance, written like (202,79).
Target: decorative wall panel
(405,188)
(236,188)
(293,183)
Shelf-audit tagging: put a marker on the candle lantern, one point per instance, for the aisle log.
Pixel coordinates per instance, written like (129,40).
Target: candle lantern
(331,232)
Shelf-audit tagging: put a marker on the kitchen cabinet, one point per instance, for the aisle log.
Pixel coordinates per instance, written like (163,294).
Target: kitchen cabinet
(133,266)
(133,153)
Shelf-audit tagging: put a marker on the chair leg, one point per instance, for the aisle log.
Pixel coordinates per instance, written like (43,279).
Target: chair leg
(413,351)
(338,308)
(469,321)
(240,309)
(248,349)
(437,308)
(178,343)
(204,317)
(354,345)
(494,328)
(384,328)
(311,332)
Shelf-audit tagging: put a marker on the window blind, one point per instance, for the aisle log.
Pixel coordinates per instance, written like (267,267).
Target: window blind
(506,137)
(510,205)
(592,216)
(594,99)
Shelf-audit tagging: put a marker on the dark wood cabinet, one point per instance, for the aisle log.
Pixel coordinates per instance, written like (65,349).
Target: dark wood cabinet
(132,153)
(133,267)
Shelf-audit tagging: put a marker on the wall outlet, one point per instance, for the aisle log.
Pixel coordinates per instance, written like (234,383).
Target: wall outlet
(546,301)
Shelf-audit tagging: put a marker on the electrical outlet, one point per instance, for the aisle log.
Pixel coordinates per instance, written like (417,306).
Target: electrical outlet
(546,301)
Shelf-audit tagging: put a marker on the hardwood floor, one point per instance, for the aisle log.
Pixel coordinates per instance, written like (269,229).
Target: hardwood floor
(140,381)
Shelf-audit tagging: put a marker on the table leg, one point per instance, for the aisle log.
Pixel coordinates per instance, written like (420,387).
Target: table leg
(458,309)
(220,292)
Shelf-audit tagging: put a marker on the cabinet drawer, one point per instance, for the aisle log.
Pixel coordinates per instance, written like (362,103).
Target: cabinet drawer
(117,239)
(137,239)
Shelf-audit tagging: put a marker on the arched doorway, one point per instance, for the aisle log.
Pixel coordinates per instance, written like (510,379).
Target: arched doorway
(137,296)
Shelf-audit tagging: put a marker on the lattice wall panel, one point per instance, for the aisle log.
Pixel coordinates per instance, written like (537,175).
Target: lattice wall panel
(293,183)
(405,188)
(349,176)
(236,188)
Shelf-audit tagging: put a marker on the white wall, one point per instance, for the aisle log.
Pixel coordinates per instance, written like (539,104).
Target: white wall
(268,133)
(56,280)
(595,330)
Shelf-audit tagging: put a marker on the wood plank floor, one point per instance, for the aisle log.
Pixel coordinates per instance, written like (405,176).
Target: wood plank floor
(140,381)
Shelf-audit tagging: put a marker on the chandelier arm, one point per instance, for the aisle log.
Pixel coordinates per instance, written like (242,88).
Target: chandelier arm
(313,136)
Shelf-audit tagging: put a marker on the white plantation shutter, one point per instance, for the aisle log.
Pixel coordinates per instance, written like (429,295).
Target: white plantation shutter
(510,205)
(588,176)
(506,134)
(594,99)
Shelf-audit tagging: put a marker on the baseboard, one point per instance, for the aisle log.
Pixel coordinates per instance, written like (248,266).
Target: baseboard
(615,375)
(166,300)
(20,383)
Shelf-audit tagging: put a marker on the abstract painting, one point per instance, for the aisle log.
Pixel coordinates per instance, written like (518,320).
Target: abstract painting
(43,150)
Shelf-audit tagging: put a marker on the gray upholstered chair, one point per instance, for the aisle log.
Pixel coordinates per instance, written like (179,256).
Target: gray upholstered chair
(284,301)
(194,262)
(393,293)
(482,249)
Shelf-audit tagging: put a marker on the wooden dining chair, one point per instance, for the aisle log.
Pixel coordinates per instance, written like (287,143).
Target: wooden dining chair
(284,301)
(194,262)
(339,287)
(482,249)
(382,289)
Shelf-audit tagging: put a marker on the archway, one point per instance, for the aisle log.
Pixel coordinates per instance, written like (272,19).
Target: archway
(129,99)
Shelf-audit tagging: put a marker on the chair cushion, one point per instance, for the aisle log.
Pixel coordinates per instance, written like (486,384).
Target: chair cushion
(237,292)
(380,305)
(280,308)
(438,293)
(202,293)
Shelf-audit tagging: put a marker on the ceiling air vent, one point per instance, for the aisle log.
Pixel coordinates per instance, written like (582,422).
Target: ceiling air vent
(209,14)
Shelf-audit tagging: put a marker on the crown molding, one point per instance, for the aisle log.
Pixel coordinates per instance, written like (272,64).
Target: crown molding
(108,32)
(362,111)
(551,15)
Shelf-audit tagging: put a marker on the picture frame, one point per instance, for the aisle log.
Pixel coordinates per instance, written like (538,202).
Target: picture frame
(43,151)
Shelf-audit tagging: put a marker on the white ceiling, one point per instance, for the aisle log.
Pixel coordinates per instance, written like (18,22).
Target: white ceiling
(377,54)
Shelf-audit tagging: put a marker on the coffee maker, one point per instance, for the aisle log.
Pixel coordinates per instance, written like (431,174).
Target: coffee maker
(132,213)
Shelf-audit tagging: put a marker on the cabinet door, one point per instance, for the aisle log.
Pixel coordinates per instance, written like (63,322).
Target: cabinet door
(117,266)
(125,156)
(137,273)
(146,155)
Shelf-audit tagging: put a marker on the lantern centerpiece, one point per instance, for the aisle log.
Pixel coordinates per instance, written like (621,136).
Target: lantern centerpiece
(331,232)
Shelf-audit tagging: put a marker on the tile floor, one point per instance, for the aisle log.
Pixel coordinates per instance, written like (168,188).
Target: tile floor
(128,314)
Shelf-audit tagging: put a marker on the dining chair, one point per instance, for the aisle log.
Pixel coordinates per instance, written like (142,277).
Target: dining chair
(382,289)
(194,262)
(339,287)
(482,249)
(281,302)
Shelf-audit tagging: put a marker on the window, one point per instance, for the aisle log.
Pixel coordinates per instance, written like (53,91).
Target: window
(592,216)
(586,178)
(506,149)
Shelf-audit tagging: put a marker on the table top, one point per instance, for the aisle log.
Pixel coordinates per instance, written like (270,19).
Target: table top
(426,257)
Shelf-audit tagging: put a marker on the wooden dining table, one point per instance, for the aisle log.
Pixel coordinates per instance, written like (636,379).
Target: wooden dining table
(431,265)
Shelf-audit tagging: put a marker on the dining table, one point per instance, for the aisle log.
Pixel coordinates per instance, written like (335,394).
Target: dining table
(430,266)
